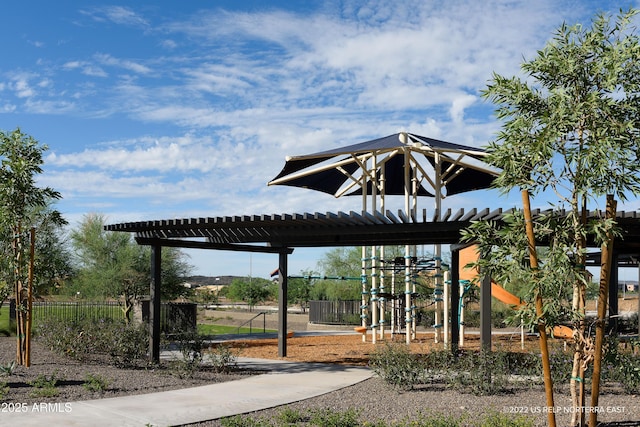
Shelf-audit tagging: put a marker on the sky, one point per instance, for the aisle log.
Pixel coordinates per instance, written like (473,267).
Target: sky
(166,109)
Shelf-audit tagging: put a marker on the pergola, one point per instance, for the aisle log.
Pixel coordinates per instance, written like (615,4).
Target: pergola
(281,233)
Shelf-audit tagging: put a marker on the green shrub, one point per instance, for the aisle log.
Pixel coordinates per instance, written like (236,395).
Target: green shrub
(331,418)
(222,358)
(8,369)
(125,344)
(191,346)
(481,373)
(621,366)
(243,421)
(95,383)
(4,389)
(291,417)
(45,386)
(396,365)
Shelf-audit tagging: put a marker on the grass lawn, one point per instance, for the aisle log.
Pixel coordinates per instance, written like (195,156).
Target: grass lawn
(207,329)
(5,328)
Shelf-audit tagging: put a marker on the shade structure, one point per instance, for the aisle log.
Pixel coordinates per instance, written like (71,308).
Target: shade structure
(399,164)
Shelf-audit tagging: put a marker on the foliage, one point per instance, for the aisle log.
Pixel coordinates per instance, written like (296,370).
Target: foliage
(622,367)
(396,365)
(8,369)
(222,358)
(125,344)
(299,289)
(352,417)
(4,389)
(96,383)
(482,373)
(191,346)
(112,265)
(21,161)
(45,386)
(346,265)
(327,417)
(251,290)
(570,128)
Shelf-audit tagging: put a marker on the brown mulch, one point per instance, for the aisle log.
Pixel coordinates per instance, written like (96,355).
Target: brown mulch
(351,350)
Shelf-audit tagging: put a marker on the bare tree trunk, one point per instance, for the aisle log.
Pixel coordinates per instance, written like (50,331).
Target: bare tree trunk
(577,383)
(544,347)
(603,292)
(20,296)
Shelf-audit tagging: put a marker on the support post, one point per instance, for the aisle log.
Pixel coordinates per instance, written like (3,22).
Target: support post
(154,306)
(485,314)
(446,307)
(612,327)
(282,304)
(455,297)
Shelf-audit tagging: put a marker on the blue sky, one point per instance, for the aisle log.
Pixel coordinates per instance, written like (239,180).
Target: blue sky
(167,109)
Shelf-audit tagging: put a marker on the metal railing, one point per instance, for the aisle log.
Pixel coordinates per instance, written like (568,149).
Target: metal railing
(250,322)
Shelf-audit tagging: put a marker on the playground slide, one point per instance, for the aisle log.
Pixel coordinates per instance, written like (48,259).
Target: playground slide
(470,254)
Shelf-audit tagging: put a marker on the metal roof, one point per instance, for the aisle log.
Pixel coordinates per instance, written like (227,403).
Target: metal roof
(272,233)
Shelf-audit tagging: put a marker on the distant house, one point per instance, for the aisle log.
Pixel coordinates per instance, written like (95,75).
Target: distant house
(212,283)
(628,286)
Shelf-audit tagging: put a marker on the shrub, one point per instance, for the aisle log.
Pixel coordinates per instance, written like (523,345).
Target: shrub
(95,383)
(223,358)
(4,389)
(130,343)
(8,369)
(45,386)
(125,344)
(481,373)
(331,418)
(396,365)
(191,346)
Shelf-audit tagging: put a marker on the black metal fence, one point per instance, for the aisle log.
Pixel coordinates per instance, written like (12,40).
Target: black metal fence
(173,316)
(334,312)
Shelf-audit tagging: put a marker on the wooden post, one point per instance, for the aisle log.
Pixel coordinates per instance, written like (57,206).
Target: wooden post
(282,304)
(154,305)
(544,347)
(605,270)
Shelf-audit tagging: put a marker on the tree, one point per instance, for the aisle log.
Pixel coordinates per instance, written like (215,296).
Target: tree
(52,265)
(346,264)
(299,289)
(250,290)
(112,265)
(570,128)
(22,161)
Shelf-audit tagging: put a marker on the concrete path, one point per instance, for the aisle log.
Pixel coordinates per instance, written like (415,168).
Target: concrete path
(285,382)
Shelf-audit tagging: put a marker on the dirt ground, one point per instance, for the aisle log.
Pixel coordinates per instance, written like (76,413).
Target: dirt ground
(350,349)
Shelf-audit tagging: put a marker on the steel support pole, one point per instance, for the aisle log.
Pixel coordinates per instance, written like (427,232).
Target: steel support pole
(282,304)
(154,306)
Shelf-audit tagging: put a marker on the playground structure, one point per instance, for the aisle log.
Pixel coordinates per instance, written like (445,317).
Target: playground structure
(386,298)
(399,302)
(401,164)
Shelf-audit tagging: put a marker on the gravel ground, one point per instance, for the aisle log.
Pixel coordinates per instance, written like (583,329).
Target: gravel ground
(373,398)
(378,401)
(71,376)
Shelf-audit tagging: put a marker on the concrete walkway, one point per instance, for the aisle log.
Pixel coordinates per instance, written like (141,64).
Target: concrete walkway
(285,382)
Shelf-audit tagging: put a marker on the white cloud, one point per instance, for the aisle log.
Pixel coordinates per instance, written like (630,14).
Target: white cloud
(129,65)
(117,14)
